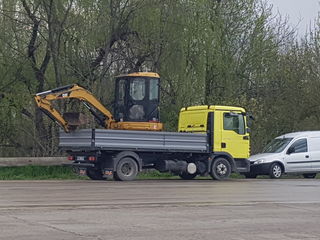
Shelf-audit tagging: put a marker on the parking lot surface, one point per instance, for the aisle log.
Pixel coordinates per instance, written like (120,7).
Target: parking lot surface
(161,209)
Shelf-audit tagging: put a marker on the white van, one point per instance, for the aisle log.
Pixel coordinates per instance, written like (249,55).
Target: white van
(297,152)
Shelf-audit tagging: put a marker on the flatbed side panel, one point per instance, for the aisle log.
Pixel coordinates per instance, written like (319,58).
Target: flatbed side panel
(135,140)
(120,139)
(185,141)
(123,139)
(78,139)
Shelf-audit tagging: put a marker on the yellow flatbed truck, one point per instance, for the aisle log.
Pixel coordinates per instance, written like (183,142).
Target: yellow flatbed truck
(210,140)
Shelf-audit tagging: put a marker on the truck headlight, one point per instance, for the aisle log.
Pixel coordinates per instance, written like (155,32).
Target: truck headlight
(259,161)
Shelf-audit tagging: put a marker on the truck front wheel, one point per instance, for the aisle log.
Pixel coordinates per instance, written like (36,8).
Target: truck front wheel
(220,169)
(126,170)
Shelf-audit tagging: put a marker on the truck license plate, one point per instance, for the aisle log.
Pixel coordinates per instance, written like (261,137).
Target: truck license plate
(80,158)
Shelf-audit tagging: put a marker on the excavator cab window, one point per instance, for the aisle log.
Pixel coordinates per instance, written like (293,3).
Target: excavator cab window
(137,99)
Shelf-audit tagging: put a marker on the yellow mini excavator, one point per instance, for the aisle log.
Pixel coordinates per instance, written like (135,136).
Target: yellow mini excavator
(136,104)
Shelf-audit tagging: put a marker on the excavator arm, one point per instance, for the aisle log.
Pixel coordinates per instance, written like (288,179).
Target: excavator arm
(44,102)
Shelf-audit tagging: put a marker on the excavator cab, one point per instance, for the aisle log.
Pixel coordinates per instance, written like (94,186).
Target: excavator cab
(137,97)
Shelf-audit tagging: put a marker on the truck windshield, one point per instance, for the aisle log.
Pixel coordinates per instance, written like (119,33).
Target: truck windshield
(277,145)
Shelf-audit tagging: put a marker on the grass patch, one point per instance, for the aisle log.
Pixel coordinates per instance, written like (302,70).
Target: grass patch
(153,174)
(38,173)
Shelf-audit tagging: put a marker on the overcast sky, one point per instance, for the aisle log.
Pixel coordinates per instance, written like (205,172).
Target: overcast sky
(300,12)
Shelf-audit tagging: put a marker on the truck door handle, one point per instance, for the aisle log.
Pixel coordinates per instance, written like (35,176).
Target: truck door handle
(307,156)
(246,138)
(223,145)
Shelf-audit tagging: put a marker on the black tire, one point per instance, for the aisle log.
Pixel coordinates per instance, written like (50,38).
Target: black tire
(187,176)
(275,171)
(220,169)
(309,175)
(126,170)
(250,175)
(95,174)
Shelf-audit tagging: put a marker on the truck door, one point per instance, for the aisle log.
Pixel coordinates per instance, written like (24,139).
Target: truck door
(297,157)
(234,138)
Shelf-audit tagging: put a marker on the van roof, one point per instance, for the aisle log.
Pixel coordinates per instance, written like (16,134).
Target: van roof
(301,134)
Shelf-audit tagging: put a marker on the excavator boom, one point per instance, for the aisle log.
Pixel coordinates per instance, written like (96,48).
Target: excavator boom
(44,102)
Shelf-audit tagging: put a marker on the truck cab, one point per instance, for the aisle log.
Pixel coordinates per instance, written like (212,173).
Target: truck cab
(226,127)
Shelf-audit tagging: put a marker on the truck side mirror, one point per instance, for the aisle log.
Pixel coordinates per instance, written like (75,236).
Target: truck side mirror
(248,130)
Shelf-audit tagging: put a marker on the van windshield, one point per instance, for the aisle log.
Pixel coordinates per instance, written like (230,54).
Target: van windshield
(277,145)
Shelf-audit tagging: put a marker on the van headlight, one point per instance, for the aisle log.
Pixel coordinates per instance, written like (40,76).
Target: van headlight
(259,161)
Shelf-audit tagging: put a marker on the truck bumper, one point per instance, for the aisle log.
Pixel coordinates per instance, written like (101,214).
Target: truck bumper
(80,164)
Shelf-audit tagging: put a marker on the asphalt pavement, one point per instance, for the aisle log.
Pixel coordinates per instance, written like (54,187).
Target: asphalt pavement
(160,209)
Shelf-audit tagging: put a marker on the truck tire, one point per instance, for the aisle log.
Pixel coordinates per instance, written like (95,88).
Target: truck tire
(275,171)
(126,170)
(187,176)
(95,174)
(220,169)
(309,175)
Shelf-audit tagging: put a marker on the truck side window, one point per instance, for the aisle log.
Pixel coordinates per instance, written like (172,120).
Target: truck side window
(299,146)
(234,122)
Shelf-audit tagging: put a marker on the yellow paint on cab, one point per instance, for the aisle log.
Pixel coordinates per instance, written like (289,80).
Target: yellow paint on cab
(234,141)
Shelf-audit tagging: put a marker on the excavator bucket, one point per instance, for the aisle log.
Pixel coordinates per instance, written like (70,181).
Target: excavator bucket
(75,119)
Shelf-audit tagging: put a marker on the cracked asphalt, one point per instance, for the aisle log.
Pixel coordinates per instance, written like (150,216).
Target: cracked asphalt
(163,209)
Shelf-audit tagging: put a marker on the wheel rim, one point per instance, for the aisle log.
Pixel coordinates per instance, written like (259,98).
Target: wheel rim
(277,171)
(126,169)
(221,169)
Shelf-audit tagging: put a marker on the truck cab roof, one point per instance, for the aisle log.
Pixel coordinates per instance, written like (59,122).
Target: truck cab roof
(212,107)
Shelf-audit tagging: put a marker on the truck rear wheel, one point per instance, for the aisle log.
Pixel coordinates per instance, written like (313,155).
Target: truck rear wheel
(220,169)
(126,170)
(95,174)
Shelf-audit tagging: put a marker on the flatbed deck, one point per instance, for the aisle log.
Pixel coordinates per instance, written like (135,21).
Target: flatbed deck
(106,139)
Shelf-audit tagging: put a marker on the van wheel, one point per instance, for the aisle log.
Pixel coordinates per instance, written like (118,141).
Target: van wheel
(95,174)
(187,176)
(275,171)
(309,175)
(220,169)
(126,170)
(250,175)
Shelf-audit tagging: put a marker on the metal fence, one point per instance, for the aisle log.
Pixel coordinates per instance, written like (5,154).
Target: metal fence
(39,161)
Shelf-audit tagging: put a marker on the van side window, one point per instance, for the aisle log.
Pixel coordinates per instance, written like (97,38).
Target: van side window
(299,146)
(234,122)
